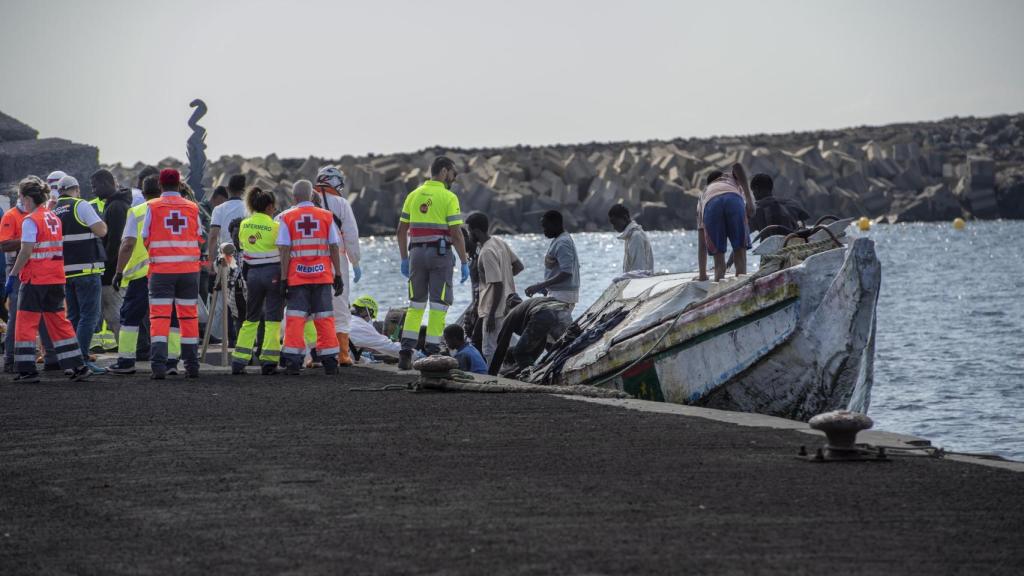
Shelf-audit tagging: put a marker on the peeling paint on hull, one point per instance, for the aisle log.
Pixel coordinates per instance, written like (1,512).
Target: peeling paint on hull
(793,344)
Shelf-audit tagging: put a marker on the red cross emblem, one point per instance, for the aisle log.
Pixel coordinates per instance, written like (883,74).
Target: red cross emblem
(175,222)
(52,222)
(307,225)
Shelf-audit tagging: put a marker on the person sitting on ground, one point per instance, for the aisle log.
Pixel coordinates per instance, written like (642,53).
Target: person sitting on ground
(638,256)
(723,211)
(469,358)
(773,211)
(538,321)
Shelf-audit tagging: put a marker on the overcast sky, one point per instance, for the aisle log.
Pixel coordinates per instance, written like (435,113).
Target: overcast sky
(329,78)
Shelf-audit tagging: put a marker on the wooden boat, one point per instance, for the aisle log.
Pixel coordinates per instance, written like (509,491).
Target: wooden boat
(794,339)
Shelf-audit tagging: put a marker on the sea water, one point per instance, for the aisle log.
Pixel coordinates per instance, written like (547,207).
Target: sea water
(949,363)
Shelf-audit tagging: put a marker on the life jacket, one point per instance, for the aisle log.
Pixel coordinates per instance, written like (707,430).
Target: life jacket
(309,228)
(173,236)
(46,264)
(83,250)
(258,236)
(138,264)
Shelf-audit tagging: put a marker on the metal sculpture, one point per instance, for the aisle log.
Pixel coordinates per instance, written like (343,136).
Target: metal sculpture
(196,150)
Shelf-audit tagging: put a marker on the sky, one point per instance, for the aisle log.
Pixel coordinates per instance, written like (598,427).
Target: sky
(323,78)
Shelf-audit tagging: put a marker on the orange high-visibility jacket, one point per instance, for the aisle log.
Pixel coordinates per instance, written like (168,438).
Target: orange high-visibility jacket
(46,265)
(309,228)
(173,238)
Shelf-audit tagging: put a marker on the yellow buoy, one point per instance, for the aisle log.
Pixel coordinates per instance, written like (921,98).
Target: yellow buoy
(959,224)
(864,224)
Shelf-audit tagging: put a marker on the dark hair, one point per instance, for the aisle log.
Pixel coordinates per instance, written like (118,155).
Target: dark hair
(151,187)
(440,163)
(236,184)
(34,189)
(145,173)
(618,211)
(478,221)
(454,332)
(762,185)
(257,200)
(220,191)
(104,178)
(715,175)
(553,216)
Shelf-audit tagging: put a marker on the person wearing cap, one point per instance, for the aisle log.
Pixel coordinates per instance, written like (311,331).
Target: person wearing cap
(40,267)
(330,185)
(171,233)
(428,228)
(84,262)
(363,336)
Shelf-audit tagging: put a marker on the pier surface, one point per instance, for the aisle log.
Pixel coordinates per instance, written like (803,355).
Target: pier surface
(244,475)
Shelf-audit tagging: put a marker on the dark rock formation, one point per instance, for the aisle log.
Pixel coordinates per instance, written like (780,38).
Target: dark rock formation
(971,167)
(21,154)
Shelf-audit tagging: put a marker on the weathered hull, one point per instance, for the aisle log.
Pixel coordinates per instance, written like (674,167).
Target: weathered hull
(794,343)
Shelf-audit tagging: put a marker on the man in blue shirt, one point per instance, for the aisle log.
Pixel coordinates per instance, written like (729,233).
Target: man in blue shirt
(469,358)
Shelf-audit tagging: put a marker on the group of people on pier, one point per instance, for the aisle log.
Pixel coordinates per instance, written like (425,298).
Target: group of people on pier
(132,262)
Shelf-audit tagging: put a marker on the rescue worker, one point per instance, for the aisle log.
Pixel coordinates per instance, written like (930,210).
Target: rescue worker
(330,184)
(308,244)
(84,262)
(52,180)
(10,242)
(365,337)
(261,268)
(171,232)
(427,230)
(132,274)
(40,267)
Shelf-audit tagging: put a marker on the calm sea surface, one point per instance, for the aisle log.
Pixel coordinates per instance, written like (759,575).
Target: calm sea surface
(950,351)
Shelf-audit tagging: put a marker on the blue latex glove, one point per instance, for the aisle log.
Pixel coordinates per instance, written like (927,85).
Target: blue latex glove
(357,273)
(405,267)
(9,287)
(465,272)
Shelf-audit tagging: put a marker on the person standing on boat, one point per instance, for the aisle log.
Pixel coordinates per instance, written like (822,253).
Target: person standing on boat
(638,256)
(772,211)
(723,212)
(561,263)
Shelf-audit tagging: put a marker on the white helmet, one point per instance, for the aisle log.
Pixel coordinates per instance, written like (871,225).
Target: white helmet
(331,176)
(53,180)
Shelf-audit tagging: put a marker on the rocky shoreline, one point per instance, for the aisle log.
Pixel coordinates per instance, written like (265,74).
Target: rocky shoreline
(927,171)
